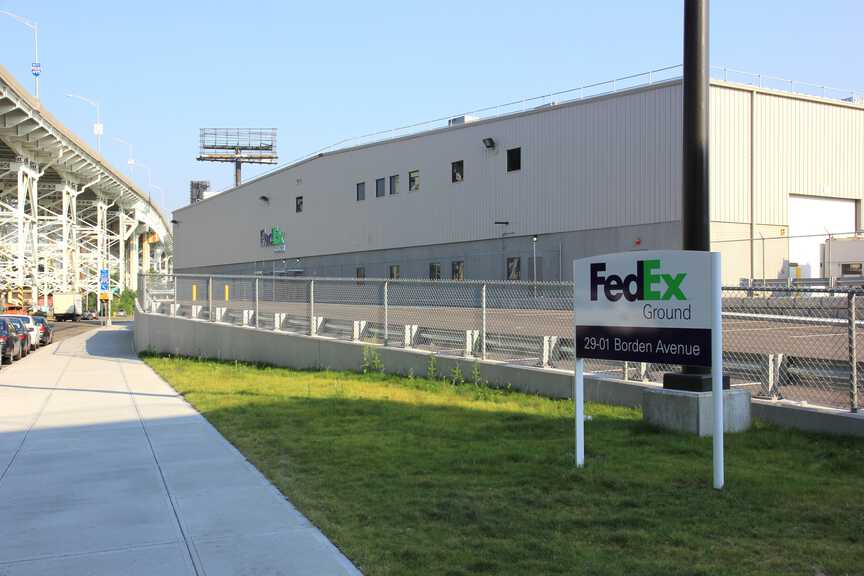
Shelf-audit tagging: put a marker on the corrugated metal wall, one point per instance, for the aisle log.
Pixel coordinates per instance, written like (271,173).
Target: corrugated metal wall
(805,147)
(611,161)
(602,163)
(729,163)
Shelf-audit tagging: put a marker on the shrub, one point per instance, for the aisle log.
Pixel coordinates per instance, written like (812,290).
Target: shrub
(432,367)
(456,376)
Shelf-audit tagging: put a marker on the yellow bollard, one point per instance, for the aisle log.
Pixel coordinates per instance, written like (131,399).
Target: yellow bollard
(226,292)
(194,292)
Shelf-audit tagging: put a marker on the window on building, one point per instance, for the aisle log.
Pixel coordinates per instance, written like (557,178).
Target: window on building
(394,271)
(457,171)
(435,271)
(514,159)
(361,191)
(394,184)
(514,271)
(379,188)
(360,273)
(851,269)
(414,181)
(298,204)
(457,270)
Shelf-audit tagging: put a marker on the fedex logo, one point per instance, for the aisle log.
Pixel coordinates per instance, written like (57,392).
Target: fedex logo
(647,283)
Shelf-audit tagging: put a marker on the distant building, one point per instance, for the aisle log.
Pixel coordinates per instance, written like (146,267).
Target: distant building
(586,177)
(198,190)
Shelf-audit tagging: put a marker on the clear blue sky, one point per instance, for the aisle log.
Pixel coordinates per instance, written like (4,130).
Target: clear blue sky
(324,71)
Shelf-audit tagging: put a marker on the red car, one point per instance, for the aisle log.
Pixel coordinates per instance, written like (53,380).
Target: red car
(23,334)
(11,347)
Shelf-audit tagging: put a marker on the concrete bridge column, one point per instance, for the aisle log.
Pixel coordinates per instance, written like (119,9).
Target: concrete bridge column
(145,251)
(133,260)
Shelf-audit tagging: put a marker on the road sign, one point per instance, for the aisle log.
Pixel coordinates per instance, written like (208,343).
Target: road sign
(644,307)
(650,306)
(36,69)
(104,280)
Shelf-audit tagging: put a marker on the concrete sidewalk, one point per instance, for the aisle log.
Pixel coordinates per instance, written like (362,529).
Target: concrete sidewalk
(105,470)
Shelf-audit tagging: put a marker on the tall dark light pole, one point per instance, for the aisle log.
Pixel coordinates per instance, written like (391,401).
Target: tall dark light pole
(695,206)
(695,215)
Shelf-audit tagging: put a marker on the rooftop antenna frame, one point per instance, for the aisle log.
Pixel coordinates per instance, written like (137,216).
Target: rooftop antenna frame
(238,145)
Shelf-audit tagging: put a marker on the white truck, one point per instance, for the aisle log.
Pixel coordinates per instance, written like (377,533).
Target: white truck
(67,307)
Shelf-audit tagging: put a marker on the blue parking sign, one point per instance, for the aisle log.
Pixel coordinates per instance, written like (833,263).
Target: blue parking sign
(103,280)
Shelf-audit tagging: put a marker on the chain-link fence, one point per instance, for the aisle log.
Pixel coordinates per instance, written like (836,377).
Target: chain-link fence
(772,258)
(798,344)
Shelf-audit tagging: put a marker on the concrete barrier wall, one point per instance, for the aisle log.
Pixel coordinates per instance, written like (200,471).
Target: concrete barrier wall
(202,339)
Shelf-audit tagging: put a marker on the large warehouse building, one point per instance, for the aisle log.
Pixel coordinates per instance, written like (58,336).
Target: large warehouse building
(478,198)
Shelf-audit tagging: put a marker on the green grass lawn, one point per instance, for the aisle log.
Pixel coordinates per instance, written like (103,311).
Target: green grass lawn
(412,476)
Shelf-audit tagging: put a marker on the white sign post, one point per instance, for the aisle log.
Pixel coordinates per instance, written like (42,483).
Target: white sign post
(661,307)
(105,292)
(717,370)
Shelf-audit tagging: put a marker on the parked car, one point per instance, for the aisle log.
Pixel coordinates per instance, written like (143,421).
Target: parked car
(10,343)
(22,332)
(89,315)
(33,330)
(121,313)
(29,326)
(46,330)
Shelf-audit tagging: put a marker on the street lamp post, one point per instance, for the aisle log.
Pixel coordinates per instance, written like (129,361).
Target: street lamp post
(161,193)
(150,182)
(695,212)
(36,67)
(131,159)
(149,176)
(534,263)
(763,258)
(98,128)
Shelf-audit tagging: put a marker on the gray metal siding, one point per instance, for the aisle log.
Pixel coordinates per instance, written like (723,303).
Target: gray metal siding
(729,164)
(607,162)
(604,163)
(805,147)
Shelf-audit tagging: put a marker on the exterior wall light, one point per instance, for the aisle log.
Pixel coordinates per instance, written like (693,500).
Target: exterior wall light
(489,143)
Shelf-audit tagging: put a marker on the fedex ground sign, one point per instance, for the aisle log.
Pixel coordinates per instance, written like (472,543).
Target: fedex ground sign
(274,238)
(644,307)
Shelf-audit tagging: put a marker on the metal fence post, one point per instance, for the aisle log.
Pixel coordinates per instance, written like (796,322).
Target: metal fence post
(853,353)
(210,298)
(386,313)
(257,299)
(483,322)
(313,329)
(174,307)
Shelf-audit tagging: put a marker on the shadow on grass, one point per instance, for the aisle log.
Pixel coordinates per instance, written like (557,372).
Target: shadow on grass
(420,488)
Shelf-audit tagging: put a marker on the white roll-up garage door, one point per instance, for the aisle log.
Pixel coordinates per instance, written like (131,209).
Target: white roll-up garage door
(811,219)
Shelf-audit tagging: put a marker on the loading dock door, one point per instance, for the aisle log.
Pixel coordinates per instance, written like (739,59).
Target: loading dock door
(810,219)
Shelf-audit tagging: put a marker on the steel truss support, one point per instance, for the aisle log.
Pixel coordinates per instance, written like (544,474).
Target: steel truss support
(64,213)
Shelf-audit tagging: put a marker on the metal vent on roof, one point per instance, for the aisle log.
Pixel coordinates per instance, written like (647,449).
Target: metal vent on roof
(464,119)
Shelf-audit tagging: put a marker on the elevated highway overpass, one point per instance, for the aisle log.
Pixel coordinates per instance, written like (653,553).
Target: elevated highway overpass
(65,213)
